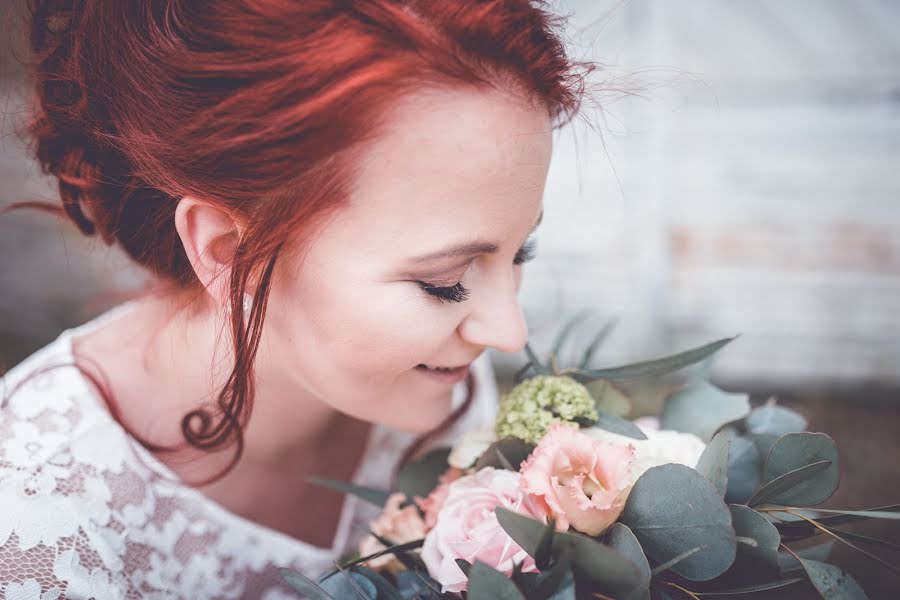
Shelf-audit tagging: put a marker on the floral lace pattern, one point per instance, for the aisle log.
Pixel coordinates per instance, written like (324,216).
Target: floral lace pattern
(86,512)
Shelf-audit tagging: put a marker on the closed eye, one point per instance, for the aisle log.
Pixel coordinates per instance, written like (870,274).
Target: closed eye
(459,293)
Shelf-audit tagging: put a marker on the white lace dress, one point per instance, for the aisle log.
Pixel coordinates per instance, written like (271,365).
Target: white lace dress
(87,512)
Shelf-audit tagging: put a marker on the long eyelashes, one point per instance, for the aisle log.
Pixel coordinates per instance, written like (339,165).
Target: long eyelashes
(453,293)
(458,293)
(526,252)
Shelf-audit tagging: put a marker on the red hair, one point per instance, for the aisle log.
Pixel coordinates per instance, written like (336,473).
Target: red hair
(255,106)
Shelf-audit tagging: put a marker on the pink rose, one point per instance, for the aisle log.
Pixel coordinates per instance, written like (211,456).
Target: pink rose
(467,527)
(399,525)
(580,481)
(432,505)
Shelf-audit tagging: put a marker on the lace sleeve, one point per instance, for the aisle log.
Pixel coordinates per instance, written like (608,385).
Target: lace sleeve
(47,547)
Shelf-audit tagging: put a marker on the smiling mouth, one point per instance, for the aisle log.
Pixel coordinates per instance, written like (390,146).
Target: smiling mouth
(440,369)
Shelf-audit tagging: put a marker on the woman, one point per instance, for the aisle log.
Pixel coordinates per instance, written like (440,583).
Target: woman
(337,198)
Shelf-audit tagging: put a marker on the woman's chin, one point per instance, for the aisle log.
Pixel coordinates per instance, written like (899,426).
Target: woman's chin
(422,419)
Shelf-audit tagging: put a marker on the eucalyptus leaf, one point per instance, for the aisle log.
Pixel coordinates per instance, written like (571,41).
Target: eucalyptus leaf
(620,426)
(786,482)
(595,343)
(752,589)
(370,495)
(701,408)
(609,570)
(820,549)
(621,539)
(672,509)
(304,585)
(749,523)
(543,551)
(774,419)
(536,365)
(567,330)
(349,584)
(513,449)
(744,468)
(857,537)
(653,368)
(414,585)
(550,580)
(713,463)
(795,450)
(420,478)
(674,561)
(384,589)
(566,589)
(833,583)
(486,583)
(464,566)
(887,512)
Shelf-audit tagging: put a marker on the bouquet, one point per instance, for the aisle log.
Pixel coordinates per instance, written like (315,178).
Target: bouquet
(564,498)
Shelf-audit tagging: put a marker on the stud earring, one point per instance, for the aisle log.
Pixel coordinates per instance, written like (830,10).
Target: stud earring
(247,304)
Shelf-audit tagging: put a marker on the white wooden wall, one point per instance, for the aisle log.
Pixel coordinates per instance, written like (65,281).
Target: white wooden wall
(758,192)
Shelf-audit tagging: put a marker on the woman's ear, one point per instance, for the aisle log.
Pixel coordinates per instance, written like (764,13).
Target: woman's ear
(210,236)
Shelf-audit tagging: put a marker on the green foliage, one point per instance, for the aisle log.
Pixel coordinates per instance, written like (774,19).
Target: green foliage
(370,495)
(601,566)
(713,463)
(619,425)
(701,408)
(672,509)
(486,583)
(805,465)
(512,449)
(653,368)
(421,477)
(621,539)
(832,582)
(750,524)
(304,585)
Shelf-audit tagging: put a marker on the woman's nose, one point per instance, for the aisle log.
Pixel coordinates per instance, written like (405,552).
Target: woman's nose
(496,320)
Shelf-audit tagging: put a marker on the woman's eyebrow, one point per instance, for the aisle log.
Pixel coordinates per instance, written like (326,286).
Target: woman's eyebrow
(465,249)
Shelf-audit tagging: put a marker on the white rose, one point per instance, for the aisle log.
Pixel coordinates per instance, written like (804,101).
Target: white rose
(470,446)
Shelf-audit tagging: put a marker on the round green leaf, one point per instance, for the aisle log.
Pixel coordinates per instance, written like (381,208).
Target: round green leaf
(774,419)
(513,450)
(486,583)
(673,509)
(421,477)
(340,585)
(751,524)
(794,451)
(745,464)
(622,540)
(744,469)
(701,408)
(832,582)
(610,571)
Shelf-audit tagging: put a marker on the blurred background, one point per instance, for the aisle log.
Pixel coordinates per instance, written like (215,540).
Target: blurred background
(739,173)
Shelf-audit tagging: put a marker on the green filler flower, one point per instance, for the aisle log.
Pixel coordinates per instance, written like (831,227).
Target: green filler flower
(529,409)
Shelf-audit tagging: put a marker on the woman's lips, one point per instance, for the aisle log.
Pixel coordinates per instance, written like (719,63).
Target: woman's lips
(444,375)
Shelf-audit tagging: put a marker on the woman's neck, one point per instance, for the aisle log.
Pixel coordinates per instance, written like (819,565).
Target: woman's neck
(164,359)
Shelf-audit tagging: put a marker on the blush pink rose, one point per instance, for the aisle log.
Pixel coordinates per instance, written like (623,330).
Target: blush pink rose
(467,527)
(432,505)
(399,525)
(580,481)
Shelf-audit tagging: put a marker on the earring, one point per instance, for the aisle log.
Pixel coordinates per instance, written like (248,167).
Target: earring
(247,304)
